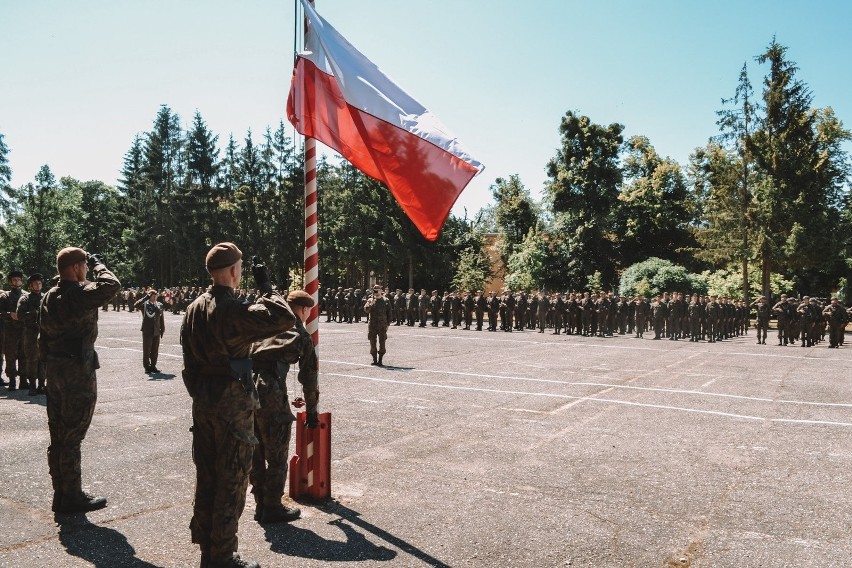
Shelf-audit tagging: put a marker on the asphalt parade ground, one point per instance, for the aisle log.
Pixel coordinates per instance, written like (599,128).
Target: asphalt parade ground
(476,449)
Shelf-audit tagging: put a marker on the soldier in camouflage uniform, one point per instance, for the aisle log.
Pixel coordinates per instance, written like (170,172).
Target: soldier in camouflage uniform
(217,336)
(379,309)
(32,368)
(435,307)
(273,421)
(763,312)
(423,307)
(837,317)
(68,320)
(13,330)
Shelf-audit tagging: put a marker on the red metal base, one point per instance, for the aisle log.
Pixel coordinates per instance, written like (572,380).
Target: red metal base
(310,467)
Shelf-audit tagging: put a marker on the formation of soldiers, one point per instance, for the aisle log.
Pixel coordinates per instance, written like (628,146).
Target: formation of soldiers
(671,315)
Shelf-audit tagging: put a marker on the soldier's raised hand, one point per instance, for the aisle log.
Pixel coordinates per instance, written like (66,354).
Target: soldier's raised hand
(261,275)
(93,260)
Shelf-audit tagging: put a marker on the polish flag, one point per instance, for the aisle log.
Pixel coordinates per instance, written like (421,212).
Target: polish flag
(342,99)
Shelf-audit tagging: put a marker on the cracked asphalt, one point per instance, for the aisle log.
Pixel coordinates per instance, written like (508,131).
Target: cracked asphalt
(477,449)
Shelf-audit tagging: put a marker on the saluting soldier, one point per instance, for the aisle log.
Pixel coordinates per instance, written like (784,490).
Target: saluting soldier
(659,313)
(542,308)
(217,336)
(68,329)
(153,328)
(493,310)
(379,309)
(447,307)
(521,311)
(468,305)
(641,311)
(693,312)
(763,313)
(273,421)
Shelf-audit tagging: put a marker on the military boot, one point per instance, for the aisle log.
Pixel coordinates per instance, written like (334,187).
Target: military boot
(375,361)
(234,562)
(12,385)
(279,514)
(81,503)
(380,359)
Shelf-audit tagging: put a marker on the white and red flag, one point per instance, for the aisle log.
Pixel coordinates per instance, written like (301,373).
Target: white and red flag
(342,99)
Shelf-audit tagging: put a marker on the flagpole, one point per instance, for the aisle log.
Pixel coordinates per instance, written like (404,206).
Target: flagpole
(311,274)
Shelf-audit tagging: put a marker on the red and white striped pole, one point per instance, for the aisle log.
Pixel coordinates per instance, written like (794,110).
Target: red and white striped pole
(311,276)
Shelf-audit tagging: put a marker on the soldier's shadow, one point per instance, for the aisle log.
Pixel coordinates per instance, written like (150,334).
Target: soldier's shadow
(161,377)
(103,547)
(294,541)
(395,368)
(291,540)
(23,396)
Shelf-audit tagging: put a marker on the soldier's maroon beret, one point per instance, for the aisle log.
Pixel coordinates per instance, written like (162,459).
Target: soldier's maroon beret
(69,256)
(222,255)
(300,298)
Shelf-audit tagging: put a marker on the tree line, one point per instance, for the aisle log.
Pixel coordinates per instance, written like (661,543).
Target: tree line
(765,203)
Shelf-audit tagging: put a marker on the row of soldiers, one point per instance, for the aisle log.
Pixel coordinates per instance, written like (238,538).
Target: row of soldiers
(19,333)
(175,299)
(669,315)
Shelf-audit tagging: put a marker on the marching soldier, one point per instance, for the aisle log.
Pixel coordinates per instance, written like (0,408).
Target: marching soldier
(837,318)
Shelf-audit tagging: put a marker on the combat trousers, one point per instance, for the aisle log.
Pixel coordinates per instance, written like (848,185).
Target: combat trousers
(492,320)
(640,326)
(694,329)
(423,315)
(32,369)
(836,331)
(273,425)
(150,349)
(222,446)
(377,333)
(542,321)
(762,329)
(71,397)
(12,351)
(480,316)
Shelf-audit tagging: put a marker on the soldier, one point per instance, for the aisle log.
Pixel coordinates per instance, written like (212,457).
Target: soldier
(520,311)
(358,309)
(217,336)
(493,303)
(411,307)
(764,312)
(806,320)
(399,307)
(558,314)
(468,305)
(693,313)
(542,308)
(447,308)
(153,328)
(713,314)
(32,368)
(659,313)
(273,422)
(435,307)
(587,305)
(480,305)
(621,315)
(510,310)
(836,315)
(13,330)
(641,311)
(423,307)
(68,322)
(379,309)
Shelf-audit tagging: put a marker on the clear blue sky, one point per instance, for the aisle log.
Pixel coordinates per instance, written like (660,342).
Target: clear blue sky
(79,79)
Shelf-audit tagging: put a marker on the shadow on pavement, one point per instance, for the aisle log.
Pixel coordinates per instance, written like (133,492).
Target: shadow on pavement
(161,377)
(103,547)
(23,396)
(293,541)
(394,368)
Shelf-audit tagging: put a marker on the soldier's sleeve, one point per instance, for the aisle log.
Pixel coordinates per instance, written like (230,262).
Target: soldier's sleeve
(308,371)
(269,316)
(105,286)
(23,309)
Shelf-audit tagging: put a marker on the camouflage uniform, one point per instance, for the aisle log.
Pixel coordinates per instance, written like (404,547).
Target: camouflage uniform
(68,320)
(274,420)
(13,333)
(379,309)
(218,332)
(32,368)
